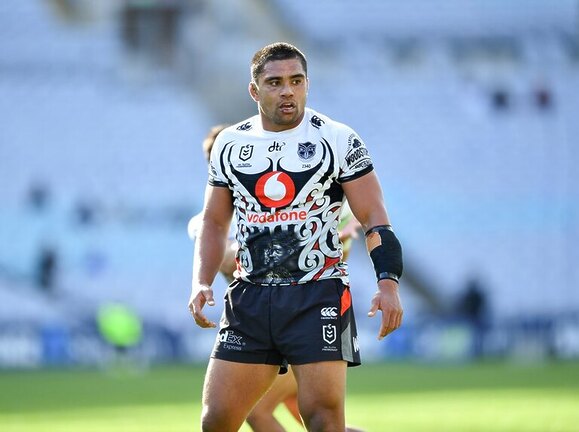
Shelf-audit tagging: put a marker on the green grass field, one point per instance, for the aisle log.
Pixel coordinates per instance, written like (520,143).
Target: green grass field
(387,397)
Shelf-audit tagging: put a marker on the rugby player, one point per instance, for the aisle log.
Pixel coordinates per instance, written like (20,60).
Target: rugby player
(285,173)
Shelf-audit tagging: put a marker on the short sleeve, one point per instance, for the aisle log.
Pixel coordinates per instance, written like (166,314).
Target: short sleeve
(355,160)
(217,165)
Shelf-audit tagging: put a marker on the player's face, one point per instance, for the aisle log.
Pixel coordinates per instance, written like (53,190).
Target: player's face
(281,92)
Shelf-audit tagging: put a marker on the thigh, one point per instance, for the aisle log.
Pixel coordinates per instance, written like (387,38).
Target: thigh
(283,387)
(231,390)
(321,393)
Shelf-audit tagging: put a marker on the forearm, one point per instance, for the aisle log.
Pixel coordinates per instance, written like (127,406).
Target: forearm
(377,216)
(209,252)
(229,265)
(385,251)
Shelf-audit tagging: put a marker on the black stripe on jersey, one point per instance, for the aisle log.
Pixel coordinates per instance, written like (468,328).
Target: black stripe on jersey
(216,183)
(222,160)
(357,174)
(326,176)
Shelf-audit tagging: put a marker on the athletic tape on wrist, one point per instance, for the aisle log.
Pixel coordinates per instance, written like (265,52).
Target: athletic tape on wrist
(385,252)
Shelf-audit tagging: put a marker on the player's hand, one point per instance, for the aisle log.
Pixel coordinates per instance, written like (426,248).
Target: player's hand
(200,295)
(351,230)
(387,300)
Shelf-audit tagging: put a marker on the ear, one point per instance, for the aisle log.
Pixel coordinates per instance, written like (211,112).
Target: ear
(253,91)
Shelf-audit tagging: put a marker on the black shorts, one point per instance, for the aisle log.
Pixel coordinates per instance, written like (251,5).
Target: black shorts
(304,323)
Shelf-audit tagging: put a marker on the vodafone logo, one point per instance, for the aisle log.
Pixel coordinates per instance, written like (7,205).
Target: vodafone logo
(278,217)
(275,189)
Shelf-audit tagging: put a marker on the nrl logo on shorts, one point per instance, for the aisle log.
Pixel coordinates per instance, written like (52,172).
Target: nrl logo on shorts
(329,333)
(306,151)
(246,152)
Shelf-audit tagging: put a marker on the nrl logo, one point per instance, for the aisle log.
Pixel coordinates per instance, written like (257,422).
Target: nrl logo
(246,152)
(306,151)
(329,333)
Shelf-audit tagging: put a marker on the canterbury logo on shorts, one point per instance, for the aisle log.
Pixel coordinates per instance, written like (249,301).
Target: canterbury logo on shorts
(329,313)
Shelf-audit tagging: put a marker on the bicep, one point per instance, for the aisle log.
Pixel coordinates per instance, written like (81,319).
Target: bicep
(218,207)
(364,195)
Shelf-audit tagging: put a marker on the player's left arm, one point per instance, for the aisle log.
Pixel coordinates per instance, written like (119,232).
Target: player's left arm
(367,203)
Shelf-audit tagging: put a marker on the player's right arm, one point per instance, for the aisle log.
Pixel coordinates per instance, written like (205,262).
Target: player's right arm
(209,250)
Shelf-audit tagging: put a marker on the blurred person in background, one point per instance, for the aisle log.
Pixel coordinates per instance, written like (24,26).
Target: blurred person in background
(47,268)
(288,170)
(473,307)
(122,329)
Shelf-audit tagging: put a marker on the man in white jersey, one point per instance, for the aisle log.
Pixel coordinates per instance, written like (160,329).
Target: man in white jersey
(284,390)
(285,173)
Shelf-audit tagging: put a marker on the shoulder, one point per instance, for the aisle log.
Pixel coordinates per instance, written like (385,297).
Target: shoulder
(243,127)
(234,133)
(326,124)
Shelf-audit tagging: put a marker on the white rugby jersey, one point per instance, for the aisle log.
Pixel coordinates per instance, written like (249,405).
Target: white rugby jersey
(287,195)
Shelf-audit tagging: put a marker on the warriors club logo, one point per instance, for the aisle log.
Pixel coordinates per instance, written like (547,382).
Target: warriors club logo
(275,189)
(306,151)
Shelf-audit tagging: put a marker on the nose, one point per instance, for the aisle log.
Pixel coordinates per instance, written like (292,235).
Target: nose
(287,90)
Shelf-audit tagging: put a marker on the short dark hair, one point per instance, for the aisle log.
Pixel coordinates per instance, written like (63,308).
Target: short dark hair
(210,139)
(275,51)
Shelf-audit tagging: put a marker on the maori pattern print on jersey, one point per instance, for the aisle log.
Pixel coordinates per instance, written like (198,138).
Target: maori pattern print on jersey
(287,195)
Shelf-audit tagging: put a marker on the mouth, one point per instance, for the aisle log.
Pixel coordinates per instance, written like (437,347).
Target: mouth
(287,107)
